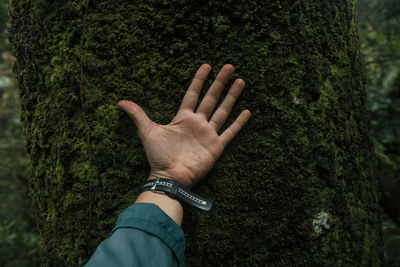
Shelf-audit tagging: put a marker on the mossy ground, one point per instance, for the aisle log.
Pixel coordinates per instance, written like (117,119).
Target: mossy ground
(306,149)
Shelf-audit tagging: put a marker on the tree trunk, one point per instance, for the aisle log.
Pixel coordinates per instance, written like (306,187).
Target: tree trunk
(294,188)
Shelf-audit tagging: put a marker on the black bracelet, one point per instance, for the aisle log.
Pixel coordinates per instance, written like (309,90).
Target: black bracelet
(175,190)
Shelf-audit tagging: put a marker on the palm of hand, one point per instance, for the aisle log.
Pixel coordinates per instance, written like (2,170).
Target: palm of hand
(186,149)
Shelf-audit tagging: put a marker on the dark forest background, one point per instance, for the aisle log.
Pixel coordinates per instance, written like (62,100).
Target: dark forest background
(379,32)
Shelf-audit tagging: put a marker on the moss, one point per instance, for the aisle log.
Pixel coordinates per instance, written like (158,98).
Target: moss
(305,150)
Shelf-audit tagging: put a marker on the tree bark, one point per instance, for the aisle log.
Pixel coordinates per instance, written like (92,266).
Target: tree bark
(296,187)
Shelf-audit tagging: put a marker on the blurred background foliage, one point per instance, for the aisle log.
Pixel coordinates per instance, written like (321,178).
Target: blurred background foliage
(18,238)
(379,31)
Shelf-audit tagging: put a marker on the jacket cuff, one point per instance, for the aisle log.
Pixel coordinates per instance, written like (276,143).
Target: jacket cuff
(151,219)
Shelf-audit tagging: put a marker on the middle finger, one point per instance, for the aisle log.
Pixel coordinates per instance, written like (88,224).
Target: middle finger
(209,101)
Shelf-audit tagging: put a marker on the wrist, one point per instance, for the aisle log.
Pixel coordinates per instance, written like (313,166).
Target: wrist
(156,174)
(175,190)
(172,207)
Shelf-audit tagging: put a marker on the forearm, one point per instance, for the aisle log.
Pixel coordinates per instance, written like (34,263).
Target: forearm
(172,207)
(143,234)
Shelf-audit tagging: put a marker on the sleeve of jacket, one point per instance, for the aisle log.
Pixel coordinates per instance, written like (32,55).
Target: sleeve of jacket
(143,236)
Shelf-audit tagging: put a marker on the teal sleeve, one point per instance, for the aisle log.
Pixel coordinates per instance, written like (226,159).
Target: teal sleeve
(143,236)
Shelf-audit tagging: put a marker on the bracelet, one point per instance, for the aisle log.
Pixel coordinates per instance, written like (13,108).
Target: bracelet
(175,190)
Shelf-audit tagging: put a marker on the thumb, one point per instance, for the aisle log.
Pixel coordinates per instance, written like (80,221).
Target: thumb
(136,113)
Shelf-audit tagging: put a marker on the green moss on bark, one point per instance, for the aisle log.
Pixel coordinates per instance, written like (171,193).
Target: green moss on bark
(306,149)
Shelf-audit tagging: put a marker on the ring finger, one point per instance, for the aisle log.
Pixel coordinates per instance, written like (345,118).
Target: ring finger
(224,109)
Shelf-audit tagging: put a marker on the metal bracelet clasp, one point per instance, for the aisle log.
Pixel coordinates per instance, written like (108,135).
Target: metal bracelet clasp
(155,184)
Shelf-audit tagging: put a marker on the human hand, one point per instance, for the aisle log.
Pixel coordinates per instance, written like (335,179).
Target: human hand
(187,148)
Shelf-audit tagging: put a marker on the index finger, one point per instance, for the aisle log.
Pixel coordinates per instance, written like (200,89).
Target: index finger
(192,94)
